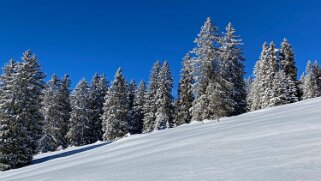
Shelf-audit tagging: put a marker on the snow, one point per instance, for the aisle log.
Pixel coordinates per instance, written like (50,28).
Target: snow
(280,143)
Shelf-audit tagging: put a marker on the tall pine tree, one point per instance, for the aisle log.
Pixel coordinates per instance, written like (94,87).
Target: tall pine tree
(150,108)
(185,93)
(310,83)
(206,55)
(233,69)
(15,149)
(97,93)
(137,109)
(116,109)
(258,86)
(287,65)
(79,129)
(65,105)
(164,117)
(30,86)
(204,63)
(54,120)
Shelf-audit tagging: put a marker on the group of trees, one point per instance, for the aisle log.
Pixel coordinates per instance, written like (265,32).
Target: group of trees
(217,74)
(275,81)
(311,81)
(39,117)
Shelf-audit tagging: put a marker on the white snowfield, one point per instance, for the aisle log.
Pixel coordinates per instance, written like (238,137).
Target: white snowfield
(276,144)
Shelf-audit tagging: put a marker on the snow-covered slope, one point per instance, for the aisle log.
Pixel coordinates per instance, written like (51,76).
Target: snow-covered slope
(281,143)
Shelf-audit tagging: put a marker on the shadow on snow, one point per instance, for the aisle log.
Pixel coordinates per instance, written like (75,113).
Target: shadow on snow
(67,153)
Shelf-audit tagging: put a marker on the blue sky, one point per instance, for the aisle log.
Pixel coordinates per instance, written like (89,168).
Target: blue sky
(87,36)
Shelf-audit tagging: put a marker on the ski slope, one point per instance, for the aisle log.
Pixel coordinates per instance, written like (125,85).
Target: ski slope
(281,143)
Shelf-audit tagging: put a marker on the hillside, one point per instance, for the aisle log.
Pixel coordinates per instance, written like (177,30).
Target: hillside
(281,143)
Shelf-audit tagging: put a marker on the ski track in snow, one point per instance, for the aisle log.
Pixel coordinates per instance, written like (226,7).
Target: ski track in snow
(280,143)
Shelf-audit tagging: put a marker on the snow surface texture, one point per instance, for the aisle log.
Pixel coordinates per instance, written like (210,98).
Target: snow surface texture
(280,143)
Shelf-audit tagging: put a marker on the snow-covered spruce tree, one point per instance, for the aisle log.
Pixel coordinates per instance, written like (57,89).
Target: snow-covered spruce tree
(15,149)
(53,135)
(132,93)
(317,72)
(97,92)
(140,102)
(310,82)
(164,99)
(268,69)
(29,92)
(185,93)
(206,55)
(136,118)
(150,106)
(78,133)
(272,69)
(56,111)
(136,102)
(65,105)
(257,88)
(204,65)
(287,62)
(232,59)
(116,109)
(287,65)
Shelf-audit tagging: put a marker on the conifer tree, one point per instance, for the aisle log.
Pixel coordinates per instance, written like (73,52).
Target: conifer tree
(97,92)
(150,108)
(137,108)
(15,150)
(65,105)
(54,122)
(258,86)
(287,65)
(204,64)
(231,58)
(164,117)
(78,133)
(116,109)
(132,117)
(271,70)
(317,71)
(206,55)
(287,62)
(132,93)
(185,93)
(310,83)
(29,87)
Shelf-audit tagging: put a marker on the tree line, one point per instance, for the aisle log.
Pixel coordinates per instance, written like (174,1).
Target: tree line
(38,117)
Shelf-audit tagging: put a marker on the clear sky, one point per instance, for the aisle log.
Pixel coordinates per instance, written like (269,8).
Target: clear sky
(87,36)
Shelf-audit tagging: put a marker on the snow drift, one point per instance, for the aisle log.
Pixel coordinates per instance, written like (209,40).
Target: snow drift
(281,143)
